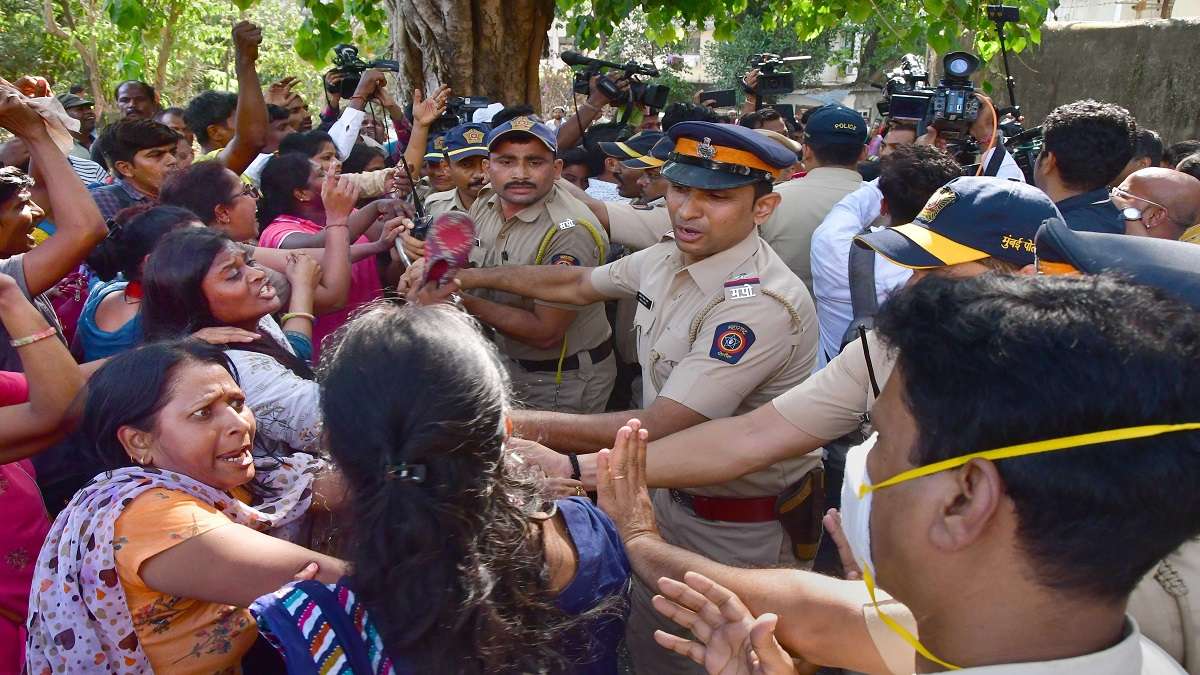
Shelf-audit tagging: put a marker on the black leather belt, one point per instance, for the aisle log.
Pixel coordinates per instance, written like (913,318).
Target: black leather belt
(570,363)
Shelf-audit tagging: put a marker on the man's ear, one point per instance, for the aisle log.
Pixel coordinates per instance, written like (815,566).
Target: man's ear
(558,165)
(971,498)
(764,206)
(125,169)
(884,209)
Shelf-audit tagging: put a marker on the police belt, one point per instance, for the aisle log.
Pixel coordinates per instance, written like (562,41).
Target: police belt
(728,509)
(597,354)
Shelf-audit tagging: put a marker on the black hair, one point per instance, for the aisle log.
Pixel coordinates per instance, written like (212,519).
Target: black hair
(200,188)
(836,154)
(128,244)
(162,114)
(763,188)
(174,304)
(12,181)
(1091,141)
(124,138)
(209,107)
(602,133)
(276,113)
(756,119)
(308,143)
(687,112)
(512,111)
(459,542)
(1061,356)
(360,156)
(577,155)
(910,175)
(1190,165)
(131,390)
(1178,151)
(146,88)
(868,169)
(281,177)
(1147,143)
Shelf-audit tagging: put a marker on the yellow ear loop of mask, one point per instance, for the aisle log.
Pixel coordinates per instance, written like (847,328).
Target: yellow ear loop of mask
(1033,448)
(1036,447)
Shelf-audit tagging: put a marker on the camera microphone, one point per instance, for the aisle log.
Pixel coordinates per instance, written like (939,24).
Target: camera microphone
(575,59)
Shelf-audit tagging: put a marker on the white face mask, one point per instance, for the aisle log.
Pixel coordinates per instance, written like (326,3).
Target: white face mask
(856,511)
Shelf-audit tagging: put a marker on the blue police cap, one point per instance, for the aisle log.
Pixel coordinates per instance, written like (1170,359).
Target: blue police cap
(435,149)
(657,156)
(835,125)
(968,219)
(466,140)
(1171,266)
(524,125)
(721,156)
(633,147)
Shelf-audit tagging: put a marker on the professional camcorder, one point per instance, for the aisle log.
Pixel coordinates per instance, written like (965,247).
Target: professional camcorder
(347,62)
(771,80)
(950,107)
(459,110)
(644,93)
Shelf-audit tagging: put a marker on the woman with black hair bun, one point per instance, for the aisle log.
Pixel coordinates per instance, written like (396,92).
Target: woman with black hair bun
(111,320)
(460,563)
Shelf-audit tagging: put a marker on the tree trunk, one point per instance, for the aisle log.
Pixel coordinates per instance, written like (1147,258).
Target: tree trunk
(166,45)
(1168,6)
(87,52)
(479,47)
(865,55)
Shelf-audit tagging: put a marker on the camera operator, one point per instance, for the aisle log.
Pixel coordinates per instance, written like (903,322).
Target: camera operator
(608,184)
(571,132)
(1086,145)
(984,129)
(1147,152)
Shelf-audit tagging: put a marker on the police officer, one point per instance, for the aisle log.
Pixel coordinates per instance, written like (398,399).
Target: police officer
(722,326)
(435,170)
(464,152)
(559,356)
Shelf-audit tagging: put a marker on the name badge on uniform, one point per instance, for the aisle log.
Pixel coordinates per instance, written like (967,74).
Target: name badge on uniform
(566,224)
(740,289)
(644,301)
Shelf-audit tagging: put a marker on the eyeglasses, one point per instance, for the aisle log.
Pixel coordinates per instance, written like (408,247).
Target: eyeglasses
(1132,212)
(248,190)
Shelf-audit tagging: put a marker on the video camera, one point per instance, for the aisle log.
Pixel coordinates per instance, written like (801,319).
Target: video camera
(459,110)
(950,107)
(644,93)
(347,62)
(771,82)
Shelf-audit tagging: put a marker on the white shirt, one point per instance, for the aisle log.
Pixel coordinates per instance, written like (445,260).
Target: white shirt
(604,191)
(1008,166)
(254,171)
(831,244)
(345,131)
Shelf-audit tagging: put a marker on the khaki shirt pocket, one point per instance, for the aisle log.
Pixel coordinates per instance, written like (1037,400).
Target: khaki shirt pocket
(667,351)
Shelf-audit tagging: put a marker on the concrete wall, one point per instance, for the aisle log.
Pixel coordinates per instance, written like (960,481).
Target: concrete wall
(1148,67)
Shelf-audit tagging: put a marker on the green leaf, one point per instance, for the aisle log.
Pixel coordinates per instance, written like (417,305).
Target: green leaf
(859,10)
(1018,44)
(127,14)
(244,4)
(940,41)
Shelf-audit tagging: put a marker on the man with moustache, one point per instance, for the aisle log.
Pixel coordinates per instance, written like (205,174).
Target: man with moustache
(465,153)
(558,355)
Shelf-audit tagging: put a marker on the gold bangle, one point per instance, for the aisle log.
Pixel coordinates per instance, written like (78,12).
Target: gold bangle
(296,315)
(36,337)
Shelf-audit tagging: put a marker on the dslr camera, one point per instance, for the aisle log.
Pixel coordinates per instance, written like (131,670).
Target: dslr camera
(347,62)
(950,107)
(644,93)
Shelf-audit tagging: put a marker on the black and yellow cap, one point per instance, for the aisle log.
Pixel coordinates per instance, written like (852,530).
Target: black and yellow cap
(657,156)
(637,145)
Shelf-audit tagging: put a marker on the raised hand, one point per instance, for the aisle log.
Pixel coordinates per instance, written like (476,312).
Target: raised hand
(246,39)
(303,271)
(729,640)
(369,83)
(15,113)
(280,93)
(621,483)
(339,196)
(833,527)
(426,110)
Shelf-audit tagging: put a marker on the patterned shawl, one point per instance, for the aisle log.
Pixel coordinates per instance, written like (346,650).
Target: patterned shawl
(79,618)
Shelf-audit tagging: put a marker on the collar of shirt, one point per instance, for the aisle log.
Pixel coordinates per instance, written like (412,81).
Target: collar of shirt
(134,193)
(1086,199)
(1125,657)
(832,175)
(711,273)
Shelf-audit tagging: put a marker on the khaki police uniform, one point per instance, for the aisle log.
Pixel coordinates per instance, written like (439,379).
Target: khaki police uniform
(638,226)
(1166,605)
(588,366)
(443,202)
(721,336)
(805,203)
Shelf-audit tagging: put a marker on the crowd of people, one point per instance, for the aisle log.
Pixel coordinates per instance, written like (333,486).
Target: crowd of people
(699,392)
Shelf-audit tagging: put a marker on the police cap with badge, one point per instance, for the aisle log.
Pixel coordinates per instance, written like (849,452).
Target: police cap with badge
(1172,266)
(966,220)
(466,140)
(635,146)
(524,125)
(435,149)
(712,156)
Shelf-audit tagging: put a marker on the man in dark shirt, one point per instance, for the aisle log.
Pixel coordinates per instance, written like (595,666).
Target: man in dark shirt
(140,154)
(1087,145)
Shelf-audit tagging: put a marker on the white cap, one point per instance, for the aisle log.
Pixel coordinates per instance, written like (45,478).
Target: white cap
(485,115)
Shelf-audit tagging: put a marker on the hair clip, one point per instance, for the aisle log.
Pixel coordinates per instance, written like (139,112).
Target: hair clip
(407,473)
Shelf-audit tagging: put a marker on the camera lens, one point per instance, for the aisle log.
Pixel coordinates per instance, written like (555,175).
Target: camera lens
(958,67)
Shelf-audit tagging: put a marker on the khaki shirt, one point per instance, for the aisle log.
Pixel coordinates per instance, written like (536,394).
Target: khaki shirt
(1166,604)
(721,336)
(806,201)
(835,400)
(638,226)
(443,202)
(515,242)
